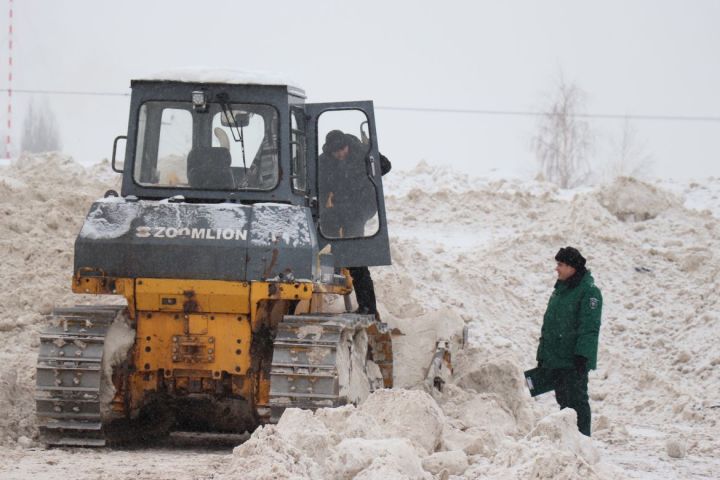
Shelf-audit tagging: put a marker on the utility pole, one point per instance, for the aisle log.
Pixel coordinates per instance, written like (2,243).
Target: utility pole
(8,138)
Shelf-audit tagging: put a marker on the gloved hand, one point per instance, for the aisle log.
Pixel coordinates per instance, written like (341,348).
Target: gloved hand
(580,364)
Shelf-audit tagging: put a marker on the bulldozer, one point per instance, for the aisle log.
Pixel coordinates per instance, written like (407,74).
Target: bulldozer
(227,253)
(228,250)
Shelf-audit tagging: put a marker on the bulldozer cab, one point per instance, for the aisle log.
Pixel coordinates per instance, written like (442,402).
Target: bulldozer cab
(193,140)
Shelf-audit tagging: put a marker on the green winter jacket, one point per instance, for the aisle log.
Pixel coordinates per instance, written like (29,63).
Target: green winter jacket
(571,325)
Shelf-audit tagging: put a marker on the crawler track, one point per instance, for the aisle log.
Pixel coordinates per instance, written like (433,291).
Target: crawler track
(69,372)
(317,357)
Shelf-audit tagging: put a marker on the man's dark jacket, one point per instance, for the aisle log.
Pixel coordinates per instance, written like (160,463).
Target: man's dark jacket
(353,200)
(571,324)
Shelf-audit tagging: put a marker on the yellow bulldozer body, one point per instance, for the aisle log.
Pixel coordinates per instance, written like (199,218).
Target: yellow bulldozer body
(195,336)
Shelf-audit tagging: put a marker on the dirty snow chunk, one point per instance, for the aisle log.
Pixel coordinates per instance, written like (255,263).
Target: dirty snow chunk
(501,376)
(473,441)
(410,414)
(560,465)
(24,441)
(536,459)
(353,455)
(694,260)
(675,448)
(268,455)
(413,353)
(474,413)
(632,200)
(561,429)
(301,429)
(487,409)
(349,422)
(379,470)
(455,462)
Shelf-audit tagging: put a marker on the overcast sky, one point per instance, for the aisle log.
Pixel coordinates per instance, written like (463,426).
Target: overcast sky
(630,57)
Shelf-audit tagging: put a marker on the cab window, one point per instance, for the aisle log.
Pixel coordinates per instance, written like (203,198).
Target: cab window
(225,147)
(348,204)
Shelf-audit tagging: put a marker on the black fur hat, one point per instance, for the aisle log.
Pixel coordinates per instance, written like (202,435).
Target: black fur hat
(334,141)
(570,256)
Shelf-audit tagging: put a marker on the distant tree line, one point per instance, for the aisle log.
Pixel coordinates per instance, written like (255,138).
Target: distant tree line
(40,132)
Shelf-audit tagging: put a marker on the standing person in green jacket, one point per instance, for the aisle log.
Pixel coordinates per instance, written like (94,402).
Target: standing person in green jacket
(569,338)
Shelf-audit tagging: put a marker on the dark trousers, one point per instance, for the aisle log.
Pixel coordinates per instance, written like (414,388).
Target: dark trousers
(571,392)
(364,289)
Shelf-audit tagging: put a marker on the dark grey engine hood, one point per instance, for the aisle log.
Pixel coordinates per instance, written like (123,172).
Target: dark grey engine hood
(226,241)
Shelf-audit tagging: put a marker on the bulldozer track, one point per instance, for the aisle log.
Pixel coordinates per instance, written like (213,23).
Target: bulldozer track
(305,371)
(69,375)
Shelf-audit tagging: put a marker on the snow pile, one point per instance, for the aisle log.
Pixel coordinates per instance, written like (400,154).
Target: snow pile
(491,386)
(466,251)
(385,437)
(632,200)
(554,449)
(483,424)
(405,434)
(43,201)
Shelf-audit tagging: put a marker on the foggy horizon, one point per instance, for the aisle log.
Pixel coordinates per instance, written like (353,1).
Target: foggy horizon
(500,62)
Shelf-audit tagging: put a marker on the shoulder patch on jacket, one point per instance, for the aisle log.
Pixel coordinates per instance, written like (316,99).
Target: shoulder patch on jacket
(594,302)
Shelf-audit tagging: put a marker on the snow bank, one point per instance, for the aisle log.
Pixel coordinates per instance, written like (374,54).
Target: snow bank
(43,201)
(405,434)
(389,433)
(467,251)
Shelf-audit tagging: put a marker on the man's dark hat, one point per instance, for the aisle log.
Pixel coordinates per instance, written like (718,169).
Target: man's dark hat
(335,140)
(570,256)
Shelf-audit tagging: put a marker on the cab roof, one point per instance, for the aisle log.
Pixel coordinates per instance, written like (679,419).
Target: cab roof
(226,76)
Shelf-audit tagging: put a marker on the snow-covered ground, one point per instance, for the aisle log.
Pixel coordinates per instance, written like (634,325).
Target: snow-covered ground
(472,250)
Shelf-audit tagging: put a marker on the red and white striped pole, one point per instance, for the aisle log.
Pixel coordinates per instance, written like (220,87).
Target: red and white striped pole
(8,139)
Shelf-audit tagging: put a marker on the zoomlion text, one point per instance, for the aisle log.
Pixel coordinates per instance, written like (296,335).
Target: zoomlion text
(194,233)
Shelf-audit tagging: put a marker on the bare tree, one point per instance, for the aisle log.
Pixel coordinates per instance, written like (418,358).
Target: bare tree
(563,141)
(40,131)
(629,155)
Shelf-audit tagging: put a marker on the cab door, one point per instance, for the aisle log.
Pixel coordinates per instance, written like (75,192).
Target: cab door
(346,181)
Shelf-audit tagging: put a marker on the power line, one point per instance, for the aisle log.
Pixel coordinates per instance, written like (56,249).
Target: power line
(528,113)
(67,92)
(513,113)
